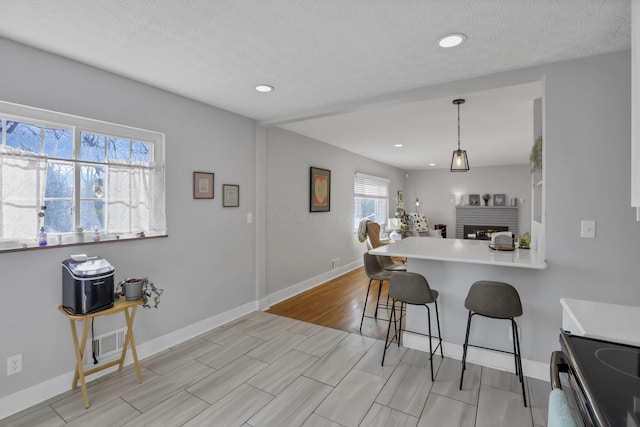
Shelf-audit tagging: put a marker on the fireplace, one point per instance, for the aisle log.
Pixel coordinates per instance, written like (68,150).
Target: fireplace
(496,218)
(482,232)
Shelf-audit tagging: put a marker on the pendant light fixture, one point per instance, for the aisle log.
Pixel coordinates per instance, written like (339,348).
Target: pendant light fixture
(459,161)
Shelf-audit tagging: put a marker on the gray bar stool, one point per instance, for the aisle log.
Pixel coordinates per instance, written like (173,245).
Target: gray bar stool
(387,262)
(496,300)
(389,265)
(374,271)
(412,288)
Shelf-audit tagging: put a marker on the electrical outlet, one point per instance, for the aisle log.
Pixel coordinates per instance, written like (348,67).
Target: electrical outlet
(335,263)
(14,364)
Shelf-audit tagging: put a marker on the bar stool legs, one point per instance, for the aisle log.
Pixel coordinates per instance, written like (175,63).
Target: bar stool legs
(364,308)
(516,349)
(495,300)
(398,330)
(516,353)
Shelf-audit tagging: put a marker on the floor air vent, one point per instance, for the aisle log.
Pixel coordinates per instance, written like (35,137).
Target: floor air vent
(105,345)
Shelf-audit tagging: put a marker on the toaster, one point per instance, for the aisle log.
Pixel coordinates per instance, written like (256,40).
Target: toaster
(502,240)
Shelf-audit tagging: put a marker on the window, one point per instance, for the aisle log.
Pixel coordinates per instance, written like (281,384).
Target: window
(371,199)
(69,174)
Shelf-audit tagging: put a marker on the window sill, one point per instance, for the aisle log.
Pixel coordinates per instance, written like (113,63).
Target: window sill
(33,245)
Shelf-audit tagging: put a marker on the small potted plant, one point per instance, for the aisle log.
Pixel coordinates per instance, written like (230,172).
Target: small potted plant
(137,288)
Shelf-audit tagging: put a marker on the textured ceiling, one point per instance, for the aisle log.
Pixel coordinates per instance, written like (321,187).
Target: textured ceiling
(321,55)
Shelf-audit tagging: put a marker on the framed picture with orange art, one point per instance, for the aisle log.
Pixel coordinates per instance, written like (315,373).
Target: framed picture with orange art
(320,190)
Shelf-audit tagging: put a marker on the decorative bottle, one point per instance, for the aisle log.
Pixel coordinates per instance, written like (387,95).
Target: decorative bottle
(42,237)
(96,235)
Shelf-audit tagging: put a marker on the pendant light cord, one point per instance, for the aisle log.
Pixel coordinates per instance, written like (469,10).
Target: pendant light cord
(458,126)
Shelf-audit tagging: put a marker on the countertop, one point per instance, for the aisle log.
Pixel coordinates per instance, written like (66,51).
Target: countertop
(605,321)
(459,250)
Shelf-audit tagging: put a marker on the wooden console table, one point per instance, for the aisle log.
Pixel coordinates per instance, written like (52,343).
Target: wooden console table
(129,308)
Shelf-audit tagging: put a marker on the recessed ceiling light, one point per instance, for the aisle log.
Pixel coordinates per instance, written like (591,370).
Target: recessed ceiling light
(432,164)
(452,40)
(264,88)
(398,145)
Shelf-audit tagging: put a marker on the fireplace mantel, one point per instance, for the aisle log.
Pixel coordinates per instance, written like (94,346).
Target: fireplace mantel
(486,215)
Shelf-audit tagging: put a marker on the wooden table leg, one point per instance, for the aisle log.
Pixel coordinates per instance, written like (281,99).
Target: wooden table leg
(79,350)
(130,317)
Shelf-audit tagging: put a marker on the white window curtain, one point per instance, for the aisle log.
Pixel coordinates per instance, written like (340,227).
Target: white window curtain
(135,198)
(23,176)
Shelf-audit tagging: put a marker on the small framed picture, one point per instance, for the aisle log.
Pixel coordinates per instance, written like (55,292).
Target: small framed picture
(230,196)
(498,199)
(320,190)
(474,200)
(203,185)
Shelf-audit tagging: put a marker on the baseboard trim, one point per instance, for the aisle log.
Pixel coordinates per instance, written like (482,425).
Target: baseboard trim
(38,393)
(311,283)
(478,356)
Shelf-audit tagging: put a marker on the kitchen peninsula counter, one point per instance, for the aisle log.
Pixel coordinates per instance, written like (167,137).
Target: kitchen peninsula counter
(451,266)
(458,250)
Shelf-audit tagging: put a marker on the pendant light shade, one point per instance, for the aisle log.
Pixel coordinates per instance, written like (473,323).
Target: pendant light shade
(459,160)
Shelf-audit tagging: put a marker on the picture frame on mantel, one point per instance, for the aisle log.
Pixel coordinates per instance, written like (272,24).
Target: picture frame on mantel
(319,190)
(499,200)
(474,200)
(203,185)
(230,195)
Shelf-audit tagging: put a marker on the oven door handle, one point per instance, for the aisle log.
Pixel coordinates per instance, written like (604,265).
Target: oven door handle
(558,364)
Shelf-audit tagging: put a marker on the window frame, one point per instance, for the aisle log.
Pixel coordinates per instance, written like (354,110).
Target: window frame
(78,125)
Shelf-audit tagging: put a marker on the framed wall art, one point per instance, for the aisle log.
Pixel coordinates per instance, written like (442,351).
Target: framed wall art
(474,200)
(203,185)
(230,196)
(320,190)
(498,199)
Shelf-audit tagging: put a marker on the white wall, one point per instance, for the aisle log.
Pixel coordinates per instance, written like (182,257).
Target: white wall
(301,244)
(436,189)
(206,265)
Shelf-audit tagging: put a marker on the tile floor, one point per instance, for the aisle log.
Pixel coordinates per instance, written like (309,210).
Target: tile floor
(267,370)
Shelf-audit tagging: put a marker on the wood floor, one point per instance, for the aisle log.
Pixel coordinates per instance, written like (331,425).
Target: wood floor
(338,304)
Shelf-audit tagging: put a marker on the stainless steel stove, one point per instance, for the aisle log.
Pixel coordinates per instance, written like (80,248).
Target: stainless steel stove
(601,380)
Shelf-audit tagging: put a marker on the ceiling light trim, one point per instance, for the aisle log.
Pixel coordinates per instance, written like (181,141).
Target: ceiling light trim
(262,88)
(451,40)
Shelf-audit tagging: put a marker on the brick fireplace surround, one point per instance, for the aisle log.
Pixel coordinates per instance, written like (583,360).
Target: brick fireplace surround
(506,216)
